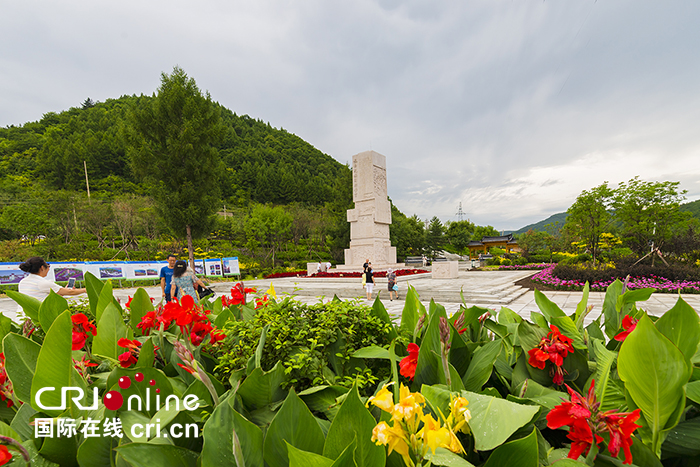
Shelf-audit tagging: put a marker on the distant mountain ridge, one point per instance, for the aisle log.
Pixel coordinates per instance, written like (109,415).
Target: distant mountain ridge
(692,207)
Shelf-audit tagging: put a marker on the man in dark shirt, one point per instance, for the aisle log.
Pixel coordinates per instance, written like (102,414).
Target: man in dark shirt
(166,277)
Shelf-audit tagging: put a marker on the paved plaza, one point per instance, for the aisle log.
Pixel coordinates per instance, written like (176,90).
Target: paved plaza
(489,289)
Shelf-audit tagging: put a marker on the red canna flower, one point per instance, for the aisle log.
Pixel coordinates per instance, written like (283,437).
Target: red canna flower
(408,364)
(628,324)
(554,348)
(128,302)
(127,359)
(5,455)
(7,393)
(217,337)
(81,327)
(587,423)
(130,357)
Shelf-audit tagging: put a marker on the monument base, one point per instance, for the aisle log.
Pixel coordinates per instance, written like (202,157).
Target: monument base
(445,270)
(375,267)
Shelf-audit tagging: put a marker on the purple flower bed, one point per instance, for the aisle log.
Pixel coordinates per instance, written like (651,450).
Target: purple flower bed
(525,267)
(663,285)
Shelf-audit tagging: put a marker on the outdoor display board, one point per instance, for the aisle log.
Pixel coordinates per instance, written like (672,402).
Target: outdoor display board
(231,267)
(213,267)
(10,274)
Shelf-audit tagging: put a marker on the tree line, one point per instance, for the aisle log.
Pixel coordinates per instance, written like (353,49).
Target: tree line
(635,219)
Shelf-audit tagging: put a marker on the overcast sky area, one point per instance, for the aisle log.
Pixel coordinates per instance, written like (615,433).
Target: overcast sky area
(510,107)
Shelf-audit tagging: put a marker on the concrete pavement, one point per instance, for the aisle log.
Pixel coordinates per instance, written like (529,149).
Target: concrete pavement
(489,289)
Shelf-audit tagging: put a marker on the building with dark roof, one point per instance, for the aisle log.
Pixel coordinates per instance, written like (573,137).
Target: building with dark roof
(504,242)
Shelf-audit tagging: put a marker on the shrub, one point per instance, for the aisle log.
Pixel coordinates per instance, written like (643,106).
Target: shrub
(312,342)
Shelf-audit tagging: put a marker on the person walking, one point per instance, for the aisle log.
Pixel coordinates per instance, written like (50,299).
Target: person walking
(185,280)
(166,277)
(369,281)
(391,283)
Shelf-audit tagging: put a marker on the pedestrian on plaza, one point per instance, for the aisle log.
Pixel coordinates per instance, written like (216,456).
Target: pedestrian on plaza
(364,266)
(391,284)
(369,281)
(185,280)
(166,278)
(37,285)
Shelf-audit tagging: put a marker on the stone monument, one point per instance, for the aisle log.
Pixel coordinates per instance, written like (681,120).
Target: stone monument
(371,217)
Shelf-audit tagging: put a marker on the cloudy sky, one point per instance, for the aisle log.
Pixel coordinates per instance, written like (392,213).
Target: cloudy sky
(508,107)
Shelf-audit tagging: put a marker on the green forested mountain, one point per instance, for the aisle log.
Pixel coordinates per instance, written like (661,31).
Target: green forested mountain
(559,217)
(692,207)
(261,163)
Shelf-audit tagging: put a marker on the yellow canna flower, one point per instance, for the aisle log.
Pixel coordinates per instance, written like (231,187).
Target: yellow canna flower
(271,291)
(384,399)
(409,406)
(392,437)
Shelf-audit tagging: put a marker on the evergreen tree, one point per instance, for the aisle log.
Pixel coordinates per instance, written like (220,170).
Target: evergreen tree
(172,140)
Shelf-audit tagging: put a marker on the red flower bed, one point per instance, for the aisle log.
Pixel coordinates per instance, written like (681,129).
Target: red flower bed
(399,272)
(277,275)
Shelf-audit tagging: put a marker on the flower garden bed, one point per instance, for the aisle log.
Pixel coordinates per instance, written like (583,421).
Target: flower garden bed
(399,272)
(525,267)
(547,278)
(254,380)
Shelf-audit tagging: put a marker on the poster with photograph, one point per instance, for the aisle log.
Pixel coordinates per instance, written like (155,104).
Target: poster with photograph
(213,267)
(231,267)
(199,266)
(64,271)
(10,273)
(144,269)
(107,269)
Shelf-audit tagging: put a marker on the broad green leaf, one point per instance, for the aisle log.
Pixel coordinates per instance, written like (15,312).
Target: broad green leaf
(447,458)
(6,326)
(146,355)
(6,430)
(472,314)
(62,451)
(409,316)
(21,355)
(374,351)
(380,312)
(218,438)
(106,298)
(262,388)
(21,421)
(30,305)
(519,453)
(54,364)
(539,319)
(654,372)
(610,310)
(94,289)
(481,365)
(223,317)
(140,305)
(494,420)
(50,308)
(632,296)
(261,345)
(293,424)
(692,391)
(157,455)
(684,439)
(110,328)
(581,308)
(354,423)
(681,326)
(508,316)
(97,451)
(548,308)
(604,362)
(299,458)
(324,399)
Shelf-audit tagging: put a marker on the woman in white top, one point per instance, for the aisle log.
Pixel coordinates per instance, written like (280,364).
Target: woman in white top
(37,285)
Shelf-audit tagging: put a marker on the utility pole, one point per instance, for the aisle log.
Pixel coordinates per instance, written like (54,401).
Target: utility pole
(460,213)
(87,183)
